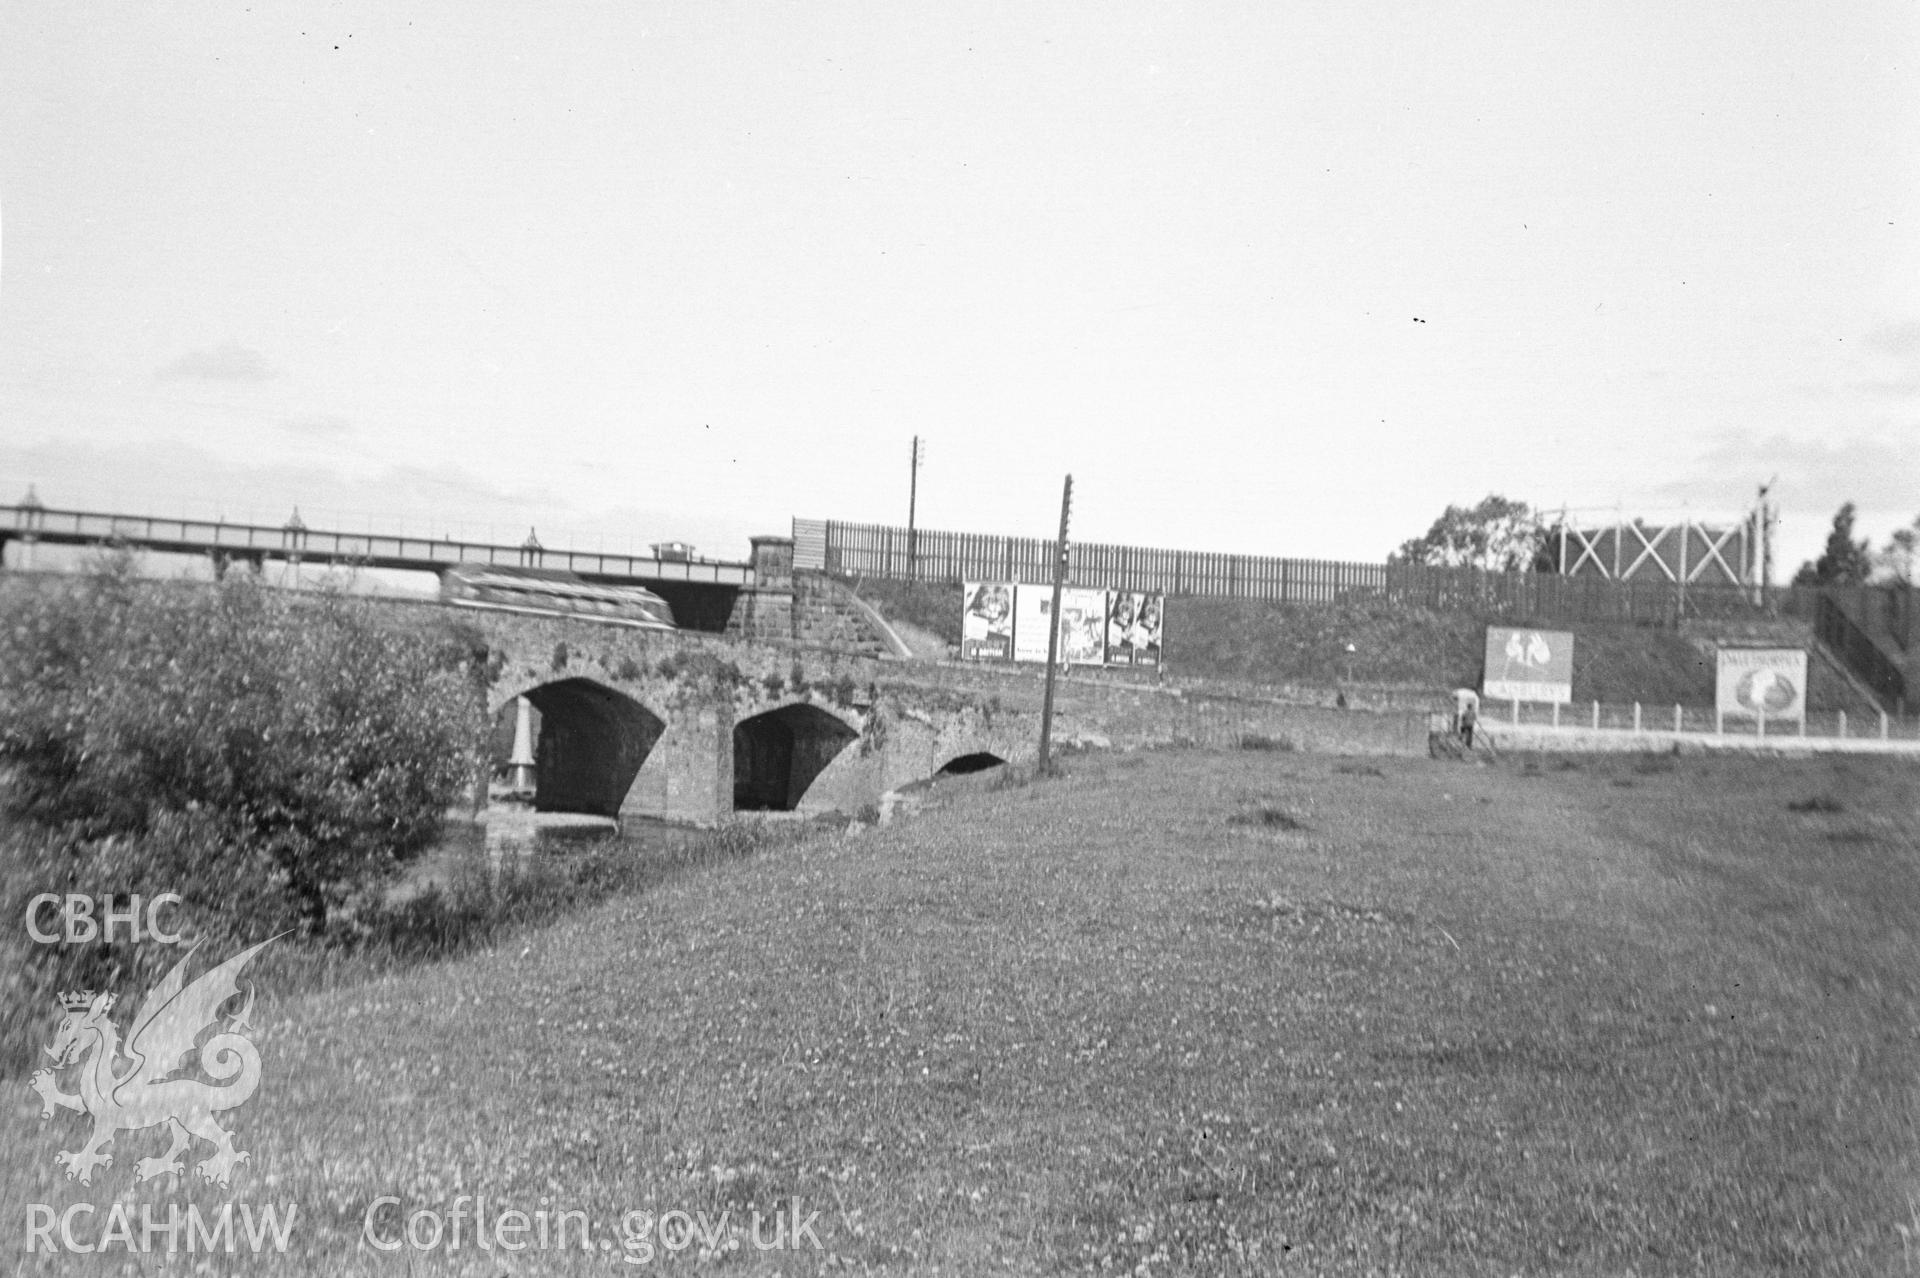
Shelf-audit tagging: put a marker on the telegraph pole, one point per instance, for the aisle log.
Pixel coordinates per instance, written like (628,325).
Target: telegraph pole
(913,500)
(1053,632)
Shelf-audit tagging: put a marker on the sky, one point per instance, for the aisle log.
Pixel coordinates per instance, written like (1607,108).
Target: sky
(1280,279)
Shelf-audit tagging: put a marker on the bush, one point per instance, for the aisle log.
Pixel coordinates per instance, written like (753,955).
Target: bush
(1268,817)
(694,666)
(267,757)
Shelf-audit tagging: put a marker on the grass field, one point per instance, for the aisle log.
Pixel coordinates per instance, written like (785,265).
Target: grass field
(1179,1012)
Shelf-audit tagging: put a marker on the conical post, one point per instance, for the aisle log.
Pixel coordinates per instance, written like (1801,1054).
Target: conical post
(521,778)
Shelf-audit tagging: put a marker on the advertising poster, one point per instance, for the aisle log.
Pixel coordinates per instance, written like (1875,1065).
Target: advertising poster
(1751,682)
(1083,627)
(1133,627)
(1032,609)
(1529,665)
(986,621)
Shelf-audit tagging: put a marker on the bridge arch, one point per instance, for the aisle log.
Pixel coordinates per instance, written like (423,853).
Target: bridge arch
(777,754)
(591,744)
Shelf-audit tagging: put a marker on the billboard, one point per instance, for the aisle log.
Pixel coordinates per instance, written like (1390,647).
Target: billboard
(1761,682)
(986,621)
(1528,665)
(1134,620)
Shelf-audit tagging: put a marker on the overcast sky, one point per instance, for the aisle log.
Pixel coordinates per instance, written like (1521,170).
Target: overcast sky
(1274,278)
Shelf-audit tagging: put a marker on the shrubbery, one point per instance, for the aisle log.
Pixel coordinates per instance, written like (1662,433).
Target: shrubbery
(273,759)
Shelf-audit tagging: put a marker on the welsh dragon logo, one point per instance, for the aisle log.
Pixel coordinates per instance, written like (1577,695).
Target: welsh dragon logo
(143,1092)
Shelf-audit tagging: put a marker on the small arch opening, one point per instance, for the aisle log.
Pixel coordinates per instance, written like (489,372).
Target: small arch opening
(980,761)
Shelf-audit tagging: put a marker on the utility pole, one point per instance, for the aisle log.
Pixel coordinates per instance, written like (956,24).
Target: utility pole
(1053,632)
(913,500)
(1765,520)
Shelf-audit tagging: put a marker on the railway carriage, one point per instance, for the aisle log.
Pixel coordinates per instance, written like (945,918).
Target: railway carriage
(549,592)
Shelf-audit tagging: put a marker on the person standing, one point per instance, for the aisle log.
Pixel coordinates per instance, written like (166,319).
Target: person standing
(1466,713)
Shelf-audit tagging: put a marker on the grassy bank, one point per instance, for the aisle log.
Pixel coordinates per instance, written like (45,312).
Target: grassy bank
(1246,1012)
(1297,643)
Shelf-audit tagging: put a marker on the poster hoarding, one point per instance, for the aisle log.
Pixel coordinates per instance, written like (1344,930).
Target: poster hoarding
(1755,682)
(1002,621)
(1528,665)
(986,621)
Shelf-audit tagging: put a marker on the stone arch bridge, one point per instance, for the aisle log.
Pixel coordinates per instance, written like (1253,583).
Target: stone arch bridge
(692,727)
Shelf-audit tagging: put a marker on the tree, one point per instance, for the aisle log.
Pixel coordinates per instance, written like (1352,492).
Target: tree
(1499,535)
(1899,558)
(1844,561)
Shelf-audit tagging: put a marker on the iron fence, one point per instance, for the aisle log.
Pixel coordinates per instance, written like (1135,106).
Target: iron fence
(1694,720)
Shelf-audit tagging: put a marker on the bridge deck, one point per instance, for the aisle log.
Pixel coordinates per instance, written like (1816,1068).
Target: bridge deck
(374,550)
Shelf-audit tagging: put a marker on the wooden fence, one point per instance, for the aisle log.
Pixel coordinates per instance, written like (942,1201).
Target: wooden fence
(879,550)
